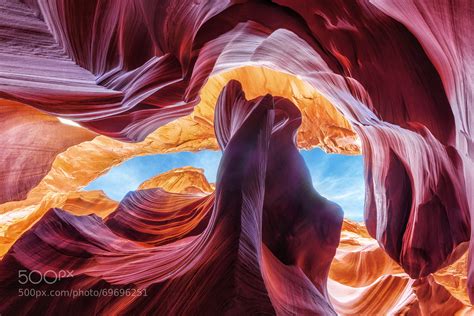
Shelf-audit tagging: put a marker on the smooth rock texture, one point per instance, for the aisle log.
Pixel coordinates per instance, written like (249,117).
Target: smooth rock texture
(364,280)
(17,217)
(75,167)
(180,180)
(22,215)
(136,71)
(400,73)
(221,246)
(30,142)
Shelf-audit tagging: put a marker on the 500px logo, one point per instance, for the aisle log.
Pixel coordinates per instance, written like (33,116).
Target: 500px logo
(36,277)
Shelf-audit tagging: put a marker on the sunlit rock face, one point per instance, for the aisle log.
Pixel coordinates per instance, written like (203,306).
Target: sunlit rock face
(80,164)
(29,147)
(364,280)
(180,180)
(17,217)
(334,133)
(400,73)
(228,247)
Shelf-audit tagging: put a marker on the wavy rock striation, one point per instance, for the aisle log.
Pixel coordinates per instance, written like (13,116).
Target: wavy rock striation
(78,165)
(26,156)
(135,72)
(400,73)
(24,216)
(180,180)
(177,240)
(364,280)
(18,217)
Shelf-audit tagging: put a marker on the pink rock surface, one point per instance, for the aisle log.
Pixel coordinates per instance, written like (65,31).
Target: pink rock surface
(253,246)
(30,142)
(400,72)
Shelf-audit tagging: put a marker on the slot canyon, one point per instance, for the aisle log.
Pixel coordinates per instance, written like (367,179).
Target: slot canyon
(235,119)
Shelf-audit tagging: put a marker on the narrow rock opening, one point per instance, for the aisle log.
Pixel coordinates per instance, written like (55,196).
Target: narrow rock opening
(337,177)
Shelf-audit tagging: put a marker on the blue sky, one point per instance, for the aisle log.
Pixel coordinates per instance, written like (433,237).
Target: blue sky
(339,178)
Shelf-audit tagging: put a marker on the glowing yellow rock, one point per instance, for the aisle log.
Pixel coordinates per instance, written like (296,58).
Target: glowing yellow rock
(23,214)
(74,168)
(180,180)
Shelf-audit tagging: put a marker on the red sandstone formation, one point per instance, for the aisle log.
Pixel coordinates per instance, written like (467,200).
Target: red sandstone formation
(181,180)
(401,73)
(30,142)
(223,252)
(364,280)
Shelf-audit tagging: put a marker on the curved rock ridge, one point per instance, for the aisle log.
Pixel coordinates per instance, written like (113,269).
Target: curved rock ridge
(180,180)
(322,124)
(362,279)
(79,165)
(196,254)
(75,167)
(401,74)
(121,87)
(365,281)
(26,156)
(21,215)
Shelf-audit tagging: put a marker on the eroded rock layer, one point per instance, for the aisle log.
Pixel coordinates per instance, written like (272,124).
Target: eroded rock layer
(222,247)
(364,280)
(80,164)
(18,217)
(15,222)
(135,71)
(28,150)
(401,73)
(180,180)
